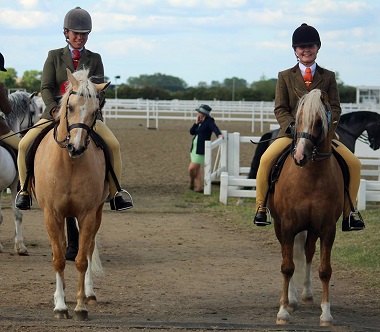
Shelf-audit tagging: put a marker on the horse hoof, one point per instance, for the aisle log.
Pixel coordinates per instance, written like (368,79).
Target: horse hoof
(61,314)
(282,322)
(292,306)
(308,300)
(23,253)
(91,300)
(322,323)
(81,314)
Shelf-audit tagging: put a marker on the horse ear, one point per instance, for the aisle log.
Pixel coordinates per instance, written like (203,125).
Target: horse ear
(71,78)
(32,94)
(102,87)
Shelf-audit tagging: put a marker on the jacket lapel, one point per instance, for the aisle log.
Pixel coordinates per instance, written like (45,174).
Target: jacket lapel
(85,59)
(299,83)
(66,58)
(317,78)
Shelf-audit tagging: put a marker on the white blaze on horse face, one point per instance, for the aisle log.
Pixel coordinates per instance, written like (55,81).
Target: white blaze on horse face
(300,148)
(299,155)
(80,137)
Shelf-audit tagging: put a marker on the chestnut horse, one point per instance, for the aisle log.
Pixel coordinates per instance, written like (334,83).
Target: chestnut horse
(306,204)
(70,180)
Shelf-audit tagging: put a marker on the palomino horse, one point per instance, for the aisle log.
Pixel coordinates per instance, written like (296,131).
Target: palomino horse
(307,202)
(23,107)
(70,180)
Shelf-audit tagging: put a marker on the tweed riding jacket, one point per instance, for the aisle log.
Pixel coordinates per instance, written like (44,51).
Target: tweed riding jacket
(290,87)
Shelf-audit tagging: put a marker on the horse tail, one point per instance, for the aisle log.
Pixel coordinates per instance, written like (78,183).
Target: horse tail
(96,266)
(260,149)
(299,258)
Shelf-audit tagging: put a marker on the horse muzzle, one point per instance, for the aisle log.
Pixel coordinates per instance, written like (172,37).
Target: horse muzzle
(74,152)
(302,162)
(374,144)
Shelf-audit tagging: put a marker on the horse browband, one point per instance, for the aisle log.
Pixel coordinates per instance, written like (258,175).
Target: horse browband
(72,92)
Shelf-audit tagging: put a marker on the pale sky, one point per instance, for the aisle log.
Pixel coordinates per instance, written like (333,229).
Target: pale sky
(199,40)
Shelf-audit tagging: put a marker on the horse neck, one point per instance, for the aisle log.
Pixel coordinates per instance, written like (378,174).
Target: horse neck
(352,127)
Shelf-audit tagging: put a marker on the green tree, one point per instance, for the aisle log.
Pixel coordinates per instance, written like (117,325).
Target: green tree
(216,84)
(235,82)
(347,94)
(158,80)
(265,89)
(31,80)
(9,78)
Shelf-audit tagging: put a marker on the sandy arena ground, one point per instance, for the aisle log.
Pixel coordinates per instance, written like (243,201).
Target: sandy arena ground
(167,266)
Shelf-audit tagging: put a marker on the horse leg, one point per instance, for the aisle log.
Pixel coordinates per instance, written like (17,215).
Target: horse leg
(325,272)
(55,229)
(293,296)
(88,229)
(299,272)
(19,247)
(287,269)
(94,265)
(60,309)
(307,292)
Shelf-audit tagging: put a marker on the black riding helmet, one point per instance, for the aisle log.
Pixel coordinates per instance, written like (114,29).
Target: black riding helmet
(305,35)
(2,68)
(78,20)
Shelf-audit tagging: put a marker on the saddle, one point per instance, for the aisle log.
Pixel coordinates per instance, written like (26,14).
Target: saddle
(11,151)
(98,140)
(279,163)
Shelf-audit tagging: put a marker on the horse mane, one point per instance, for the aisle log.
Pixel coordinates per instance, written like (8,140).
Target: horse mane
(19,101)
(86,87)
(311,108)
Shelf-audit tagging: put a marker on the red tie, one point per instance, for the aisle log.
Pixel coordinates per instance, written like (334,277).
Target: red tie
(76,58)
(308,77)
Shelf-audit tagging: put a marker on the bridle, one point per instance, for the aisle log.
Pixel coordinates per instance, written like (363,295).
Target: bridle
(65,142)
(315,140)
(31,115)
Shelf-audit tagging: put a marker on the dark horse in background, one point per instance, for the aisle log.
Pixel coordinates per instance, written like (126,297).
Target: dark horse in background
(350,128)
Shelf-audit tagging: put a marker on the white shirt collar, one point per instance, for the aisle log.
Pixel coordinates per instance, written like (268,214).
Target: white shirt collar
(303,68)
(71,50)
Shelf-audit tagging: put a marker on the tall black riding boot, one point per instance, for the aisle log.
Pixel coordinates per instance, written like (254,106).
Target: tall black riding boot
(72,239)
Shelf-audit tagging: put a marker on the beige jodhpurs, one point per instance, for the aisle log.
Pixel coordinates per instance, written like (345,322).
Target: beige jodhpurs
(100,128)
(13,140)
(280,144)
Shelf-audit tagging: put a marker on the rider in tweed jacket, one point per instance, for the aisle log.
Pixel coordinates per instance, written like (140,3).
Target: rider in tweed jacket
(290,86)
(76,28)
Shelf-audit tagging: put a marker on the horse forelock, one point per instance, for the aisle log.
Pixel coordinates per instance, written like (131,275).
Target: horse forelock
(311,108)
(86,88)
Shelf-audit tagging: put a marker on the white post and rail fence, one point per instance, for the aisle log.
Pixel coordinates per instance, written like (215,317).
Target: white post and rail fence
(225,152)
(224,155)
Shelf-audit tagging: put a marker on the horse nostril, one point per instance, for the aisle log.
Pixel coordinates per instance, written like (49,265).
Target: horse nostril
(70,147)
